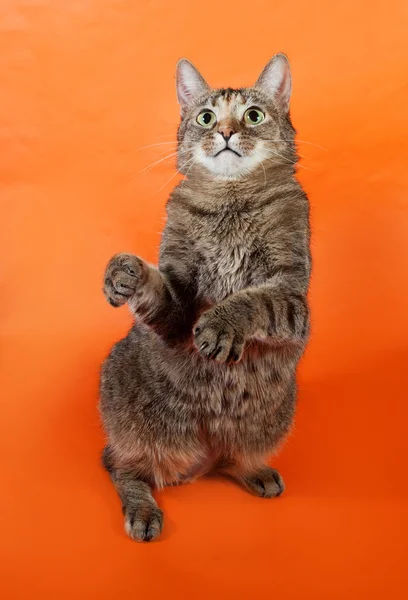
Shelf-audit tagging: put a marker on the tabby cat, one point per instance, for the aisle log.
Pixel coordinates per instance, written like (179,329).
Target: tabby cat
(206,378)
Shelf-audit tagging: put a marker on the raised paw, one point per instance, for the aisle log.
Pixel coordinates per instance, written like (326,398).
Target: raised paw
(217,338)
(123,275)
(143,523)
(266,483)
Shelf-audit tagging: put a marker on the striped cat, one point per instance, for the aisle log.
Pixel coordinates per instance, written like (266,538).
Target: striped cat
(206,378)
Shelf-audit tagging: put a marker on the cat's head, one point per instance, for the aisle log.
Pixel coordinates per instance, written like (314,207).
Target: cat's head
(230,133)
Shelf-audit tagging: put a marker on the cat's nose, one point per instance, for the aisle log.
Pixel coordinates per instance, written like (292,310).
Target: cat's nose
(226,131)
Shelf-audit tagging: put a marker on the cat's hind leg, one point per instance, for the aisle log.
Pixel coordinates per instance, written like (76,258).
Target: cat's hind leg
(143,518)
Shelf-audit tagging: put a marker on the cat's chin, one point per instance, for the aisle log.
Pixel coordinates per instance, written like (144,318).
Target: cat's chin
(229,165)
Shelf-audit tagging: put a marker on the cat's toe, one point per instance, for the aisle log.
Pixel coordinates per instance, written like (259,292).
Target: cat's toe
(143,524)
(266,484)
(123,275)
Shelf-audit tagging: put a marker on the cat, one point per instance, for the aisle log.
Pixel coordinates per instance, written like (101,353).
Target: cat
(205,381)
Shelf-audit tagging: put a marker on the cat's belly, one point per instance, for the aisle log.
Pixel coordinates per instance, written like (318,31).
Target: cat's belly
(243,407)
(179,414)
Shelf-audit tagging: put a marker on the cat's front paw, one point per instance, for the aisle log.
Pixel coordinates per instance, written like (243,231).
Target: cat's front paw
(123,275)
(217,337)
(143,523)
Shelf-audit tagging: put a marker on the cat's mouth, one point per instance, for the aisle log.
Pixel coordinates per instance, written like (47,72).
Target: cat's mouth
(227,149)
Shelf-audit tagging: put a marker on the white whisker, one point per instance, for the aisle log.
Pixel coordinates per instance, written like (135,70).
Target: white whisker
(174,174)
(178,151)
(189,169)
(262,165)
(293,162)
(297,153)
(312,144)
(155,163)
(295,141)
(158,144)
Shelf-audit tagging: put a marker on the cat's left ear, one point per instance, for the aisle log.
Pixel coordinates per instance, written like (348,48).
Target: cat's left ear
(276,80)
(190,83)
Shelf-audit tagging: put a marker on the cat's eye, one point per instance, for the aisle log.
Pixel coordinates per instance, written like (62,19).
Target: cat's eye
(206,119)
(254,116)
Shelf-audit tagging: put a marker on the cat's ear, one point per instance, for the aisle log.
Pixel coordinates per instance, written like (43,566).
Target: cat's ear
(276,80)
(189,82)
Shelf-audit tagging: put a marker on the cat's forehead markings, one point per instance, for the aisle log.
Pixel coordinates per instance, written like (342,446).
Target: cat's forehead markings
(227,96)
(227,102)
(223,107)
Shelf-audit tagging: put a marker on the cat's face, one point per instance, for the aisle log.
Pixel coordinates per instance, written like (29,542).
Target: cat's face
(231,133)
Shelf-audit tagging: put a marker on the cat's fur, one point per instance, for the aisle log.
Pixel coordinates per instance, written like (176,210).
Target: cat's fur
(205,379)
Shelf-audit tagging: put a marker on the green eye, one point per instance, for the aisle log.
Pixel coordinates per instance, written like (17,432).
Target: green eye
(254,116)
(206,119)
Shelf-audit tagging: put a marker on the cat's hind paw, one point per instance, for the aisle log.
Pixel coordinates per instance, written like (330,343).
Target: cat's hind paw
(266,483)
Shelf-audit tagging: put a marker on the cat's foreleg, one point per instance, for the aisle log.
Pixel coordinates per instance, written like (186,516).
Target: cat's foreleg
(267,313)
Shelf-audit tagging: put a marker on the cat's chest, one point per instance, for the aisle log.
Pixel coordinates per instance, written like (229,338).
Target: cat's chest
(225,265)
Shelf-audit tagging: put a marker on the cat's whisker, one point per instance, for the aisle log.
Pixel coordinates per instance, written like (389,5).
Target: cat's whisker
(295,141)
(288,161)
(189,169)
(158,144)
(293,162)
(155,163)
(178,151)
(187,162)
(172,154)
(174,175)
(302,155)
(312,144)
(262,165)
(297,153)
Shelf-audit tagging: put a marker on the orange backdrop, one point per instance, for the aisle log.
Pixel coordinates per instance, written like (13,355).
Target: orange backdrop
(85,85)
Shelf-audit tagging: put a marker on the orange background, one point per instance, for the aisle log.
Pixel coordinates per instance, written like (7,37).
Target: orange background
(84,85)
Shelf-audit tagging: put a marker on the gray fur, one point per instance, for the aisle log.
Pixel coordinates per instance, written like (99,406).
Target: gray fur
(205,379)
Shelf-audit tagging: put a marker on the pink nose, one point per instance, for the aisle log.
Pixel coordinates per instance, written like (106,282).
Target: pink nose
(226,131)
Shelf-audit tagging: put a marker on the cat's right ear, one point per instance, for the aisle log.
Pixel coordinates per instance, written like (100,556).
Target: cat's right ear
(190,84)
